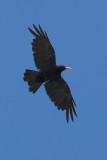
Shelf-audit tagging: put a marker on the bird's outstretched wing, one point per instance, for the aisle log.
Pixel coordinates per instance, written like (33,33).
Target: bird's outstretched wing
(44,55)
(60,94)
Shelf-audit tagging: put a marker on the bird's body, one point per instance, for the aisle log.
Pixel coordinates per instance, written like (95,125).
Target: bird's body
(49,73)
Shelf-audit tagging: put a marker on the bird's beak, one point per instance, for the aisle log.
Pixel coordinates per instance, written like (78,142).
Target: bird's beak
(68,68)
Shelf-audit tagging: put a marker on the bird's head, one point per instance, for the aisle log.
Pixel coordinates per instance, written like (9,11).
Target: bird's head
(62,68)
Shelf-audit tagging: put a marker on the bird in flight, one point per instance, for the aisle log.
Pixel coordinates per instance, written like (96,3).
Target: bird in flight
(49,73)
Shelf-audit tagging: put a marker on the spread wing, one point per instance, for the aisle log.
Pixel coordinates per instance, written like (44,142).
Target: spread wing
(60,94)
(44,55)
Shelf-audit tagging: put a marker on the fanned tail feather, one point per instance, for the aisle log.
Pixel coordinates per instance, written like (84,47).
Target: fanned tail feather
(35,87)
(31,77)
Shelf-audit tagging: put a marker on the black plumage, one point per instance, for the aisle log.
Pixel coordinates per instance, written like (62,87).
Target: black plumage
(49,73)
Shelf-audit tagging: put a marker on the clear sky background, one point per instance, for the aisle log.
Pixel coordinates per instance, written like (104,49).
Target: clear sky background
(31,127)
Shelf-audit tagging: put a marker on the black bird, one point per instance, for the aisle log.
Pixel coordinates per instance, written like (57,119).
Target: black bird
(50,73)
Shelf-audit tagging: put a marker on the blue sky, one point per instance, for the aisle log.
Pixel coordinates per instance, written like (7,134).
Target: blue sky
(31,127)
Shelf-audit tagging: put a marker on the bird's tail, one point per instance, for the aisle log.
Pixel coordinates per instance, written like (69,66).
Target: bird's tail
(32,78)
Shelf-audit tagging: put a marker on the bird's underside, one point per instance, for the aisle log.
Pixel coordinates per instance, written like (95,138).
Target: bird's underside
(49,73)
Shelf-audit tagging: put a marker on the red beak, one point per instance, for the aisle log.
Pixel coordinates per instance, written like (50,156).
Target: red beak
(68,68)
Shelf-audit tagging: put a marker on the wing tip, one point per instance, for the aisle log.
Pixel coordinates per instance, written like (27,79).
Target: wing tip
(33,32)
(29,29)
(67,115)
(33,25)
